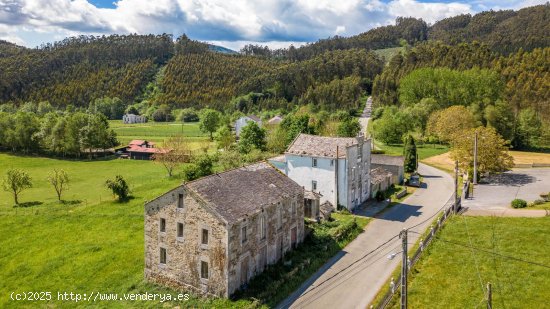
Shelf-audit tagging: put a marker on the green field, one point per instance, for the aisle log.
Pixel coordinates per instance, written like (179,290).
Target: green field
(424,151)
(156,131)
(92,243)
(388,53)
(452,276)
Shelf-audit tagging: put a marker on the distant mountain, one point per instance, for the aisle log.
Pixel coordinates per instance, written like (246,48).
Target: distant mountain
(221,49)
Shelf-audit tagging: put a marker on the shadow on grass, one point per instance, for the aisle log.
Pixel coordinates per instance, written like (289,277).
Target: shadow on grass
(72,202)
(28,204)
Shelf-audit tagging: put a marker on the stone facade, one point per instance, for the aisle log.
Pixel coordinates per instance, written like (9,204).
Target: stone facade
(394,164)
(239,244)
(131,118)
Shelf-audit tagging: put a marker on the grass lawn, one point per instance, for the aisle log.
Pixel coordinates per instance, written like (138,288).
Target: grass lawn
(444,162)
(424,151)
(156,131)
(95,244)
(447,276)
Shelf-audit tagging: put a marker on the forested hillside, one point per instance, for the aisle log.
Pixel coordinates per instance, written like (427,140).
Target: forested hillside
(494,63)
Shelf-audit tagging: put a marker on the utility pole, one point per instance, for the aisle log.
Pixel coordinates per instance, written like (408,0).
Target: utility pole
(404,269)
(489,296)
(475,159)
(456,187)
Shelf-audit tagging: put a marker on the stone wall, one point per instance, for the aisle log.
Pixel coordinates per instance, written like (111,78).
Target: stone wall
(250,258)
(184,254)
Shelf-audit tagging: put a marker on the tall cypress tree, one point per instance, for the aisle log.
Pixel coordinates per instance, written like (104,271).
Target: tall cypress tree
(411,155)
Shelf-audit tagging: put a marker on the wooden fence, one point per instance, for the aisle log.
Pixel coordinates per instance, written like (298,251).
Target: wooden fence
(445,213)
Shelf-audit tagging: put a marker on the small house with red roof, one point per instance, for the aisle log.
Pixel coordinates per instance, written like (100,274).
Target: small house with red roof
(139,150)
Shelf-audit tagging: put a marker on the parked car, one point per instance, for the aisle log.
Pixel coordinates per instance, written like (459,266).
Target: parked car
(414,181)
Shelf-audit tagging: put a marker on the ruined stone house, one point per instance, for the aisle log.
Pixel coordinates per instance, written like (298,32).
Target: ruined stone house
(214,234)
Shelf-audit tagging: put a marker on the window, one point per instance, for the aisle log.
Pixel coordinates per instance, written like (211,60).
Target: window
(262,228)
(314,162)
(180,200)
(243,235)
(162,225)
(313,185)
(293,207)
(331,162)
(204,239)
(204,270)
(180,229)
(163,255)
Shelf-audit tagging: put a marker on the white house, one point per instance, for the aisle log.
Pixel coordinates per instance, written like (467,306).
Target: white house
(337,168)
(131,118)
(243,121)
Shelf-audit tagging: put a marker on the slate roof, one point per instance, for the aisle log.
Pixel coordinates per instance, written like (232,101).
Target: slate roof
(387,160)
(275,120)
(235,193)
(320,146)
(379,174)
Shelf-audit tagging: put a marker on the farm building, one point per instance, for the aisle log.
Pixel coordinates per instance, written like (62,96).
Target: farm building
(138,150)
(131,118)
(381,180)
(214,234)
(394,164)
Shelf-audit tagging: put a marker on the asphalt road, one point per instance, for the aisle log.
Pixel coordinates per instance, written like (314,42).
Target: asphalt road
(495,196)
(365,116)
(351,280)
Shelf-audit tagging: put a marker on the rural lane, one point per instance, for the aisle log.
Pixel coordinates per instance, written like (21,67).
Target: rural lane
(365,116)
(351,279)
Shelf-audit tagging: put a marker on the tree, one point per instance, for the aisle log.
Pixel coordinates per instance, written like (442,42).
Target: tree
(350,127)
(59,179)
(529,128)
(450,121)
(411,155)
(391,127)
(209,121)
(252,136)
(492,150)
(174,152)
(16,181)
(120,188)
(202,166)
(225,137)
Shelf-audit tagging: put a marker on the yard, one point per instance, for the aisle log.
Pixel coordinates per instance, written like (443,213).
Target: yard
(444,162)
(92,243)
(452,275)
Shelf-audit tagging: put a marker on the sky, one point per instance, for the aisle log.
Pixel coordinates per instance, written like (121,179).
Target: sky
(229,23)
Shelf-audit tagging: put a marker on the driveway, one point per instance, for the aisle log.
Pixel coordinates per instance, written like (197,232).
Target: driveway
(495,196)
(351,279)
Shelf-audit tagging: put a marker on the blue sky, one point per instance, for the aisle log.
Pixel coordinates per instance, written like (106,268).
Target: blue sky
(230,23)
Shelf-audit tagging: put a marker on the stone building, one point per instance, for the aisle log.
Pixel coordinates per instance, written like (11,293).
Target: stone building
(214,234)
(381,180)
(338,168)
(394,164)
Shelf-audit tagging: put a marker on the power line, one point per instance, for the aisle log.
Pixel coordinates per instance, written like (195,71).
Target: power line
(349,266)
(430,217)
(474,255)
(496,253)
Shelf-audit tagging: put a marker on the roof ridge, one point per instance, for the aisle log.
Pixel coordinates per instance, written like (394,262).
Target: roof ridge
(227,171)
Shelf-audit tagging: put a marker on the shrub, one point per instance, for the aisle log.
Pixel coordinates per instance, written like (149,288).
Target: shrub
(519,203)
(380,196)
(537,202)
(120,188)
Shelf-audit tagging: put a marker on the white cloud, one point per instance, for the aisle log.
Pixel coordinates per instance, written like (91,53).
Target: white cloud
(272,21)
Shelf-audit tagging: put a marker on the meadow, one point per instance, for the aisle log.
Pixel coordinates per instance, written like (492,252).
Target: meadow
(157,131)
(452,275)
(91,243)
(424,150)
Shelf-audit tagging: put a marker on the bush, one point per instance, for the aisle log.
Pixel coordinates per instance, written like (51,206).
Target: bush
(519,203)
(120,188)
(537,202)
(380,196)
